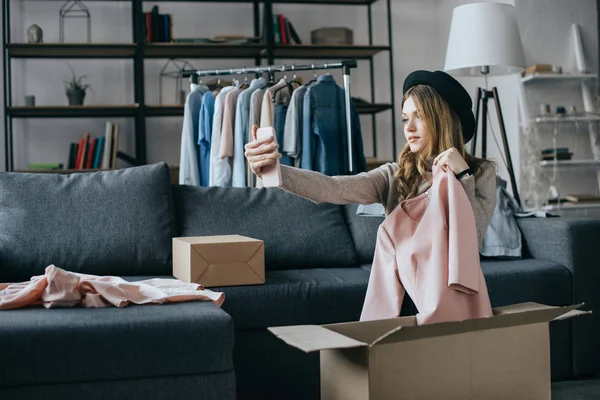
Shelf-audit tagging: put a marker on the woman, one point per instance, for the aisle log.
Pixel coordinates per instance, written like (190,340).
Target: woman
(438,121)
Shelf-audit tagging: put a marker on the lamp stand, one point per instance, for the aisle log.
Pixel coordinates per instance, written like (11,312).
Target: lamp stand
(483,96)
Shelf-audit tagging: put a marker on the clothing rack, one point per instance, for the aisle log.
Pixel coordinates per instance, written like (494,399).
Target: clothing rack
(346,65)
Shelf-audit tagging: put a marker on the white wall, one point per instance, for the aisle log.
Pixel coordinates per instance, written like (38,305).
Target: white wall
(420,30)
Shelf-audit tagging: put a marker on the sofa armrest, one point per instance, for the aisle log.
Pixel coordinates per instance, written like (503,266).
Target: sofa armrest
(574,243)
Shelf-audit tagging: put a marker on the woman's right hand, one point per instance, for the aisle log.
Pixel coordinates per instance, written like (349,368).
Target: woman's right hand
(261,152)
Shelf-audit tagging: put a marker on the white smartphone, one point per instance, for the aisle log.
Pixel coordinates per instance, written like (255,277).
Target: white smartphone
(271,174)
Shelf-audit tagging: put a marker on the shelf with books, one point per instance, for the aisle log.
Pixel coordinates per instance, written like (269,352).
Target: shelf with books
(164,110)
(224,51)
(71,50)
(128,110)
(64,171)
(326,52)
(329,2)
(324,2)
(174,110)
(201,50)
(372,108)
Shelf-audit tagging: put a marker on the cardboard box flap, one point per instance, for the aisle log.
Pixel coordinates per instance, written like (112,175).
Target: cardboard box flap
(310,338)
(521,308)
(572,314)
(370,332)
(519,314)
(564,312)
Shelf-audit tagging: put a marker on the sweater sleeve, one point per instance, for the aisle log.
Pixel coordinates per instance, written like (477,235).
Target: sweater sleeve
(364,188)
(481,191)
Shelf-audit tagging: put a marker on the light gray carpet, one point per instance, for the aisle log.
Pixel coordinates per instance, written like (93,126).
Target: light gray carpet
(576,390)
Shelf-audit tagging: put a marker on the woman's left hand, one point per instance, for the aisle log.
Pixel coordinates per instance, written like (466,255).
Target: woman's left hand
(452,159)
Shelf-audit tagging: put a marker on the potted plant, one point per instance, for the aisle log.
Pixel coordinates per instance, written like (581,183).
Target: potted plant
(75,89)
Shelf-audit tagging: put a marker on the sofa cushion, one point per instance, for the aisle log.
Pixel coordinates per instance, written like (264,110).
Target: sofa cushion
(302,296)
(92,344)
(364,232)
(517,281)
(214,386)
(297,232)
(103,223)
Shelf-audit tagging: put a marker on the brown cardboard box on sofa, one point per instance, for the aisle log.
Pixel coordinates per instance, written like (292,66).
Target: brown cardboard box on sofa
(221,260)
(504,357)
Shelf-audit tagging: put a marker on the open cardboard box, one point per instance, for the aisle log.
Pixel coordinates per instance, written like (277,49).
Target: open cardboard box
(506,356)
(219,260)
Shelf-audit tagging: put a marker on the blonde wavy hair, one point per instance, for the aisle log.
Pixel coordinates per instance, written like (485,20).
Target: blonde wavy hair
(445,132)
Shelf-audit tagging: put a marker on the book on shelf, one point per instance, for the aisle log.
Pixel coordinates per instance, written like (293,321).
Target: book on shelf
(283,31)
(95,152)
(48,166)
(158,27)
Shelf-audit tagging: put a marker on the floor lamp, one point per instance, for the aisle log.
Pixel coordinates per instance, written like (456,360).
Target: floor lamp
(484,41)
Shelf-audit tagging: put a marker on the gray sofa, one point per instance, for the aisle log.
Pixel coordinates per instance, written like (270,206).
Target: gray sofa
(317,258)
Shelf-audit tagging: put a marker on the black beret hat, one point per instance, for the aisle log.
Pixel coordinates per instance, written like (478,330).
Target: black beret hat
(450,90)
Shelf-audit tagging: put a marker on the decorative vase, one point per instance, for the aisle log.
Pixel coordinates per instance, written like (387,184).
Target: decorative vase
(76,97)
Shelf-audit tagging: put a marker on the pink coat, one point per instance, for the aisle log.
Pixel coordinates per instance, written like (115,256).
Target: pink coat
(428,247)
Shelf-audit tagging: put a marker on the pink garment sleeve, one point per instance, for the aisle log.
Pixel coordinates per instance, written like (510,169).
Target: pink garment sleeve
(22,294)
(385,293)
(463,253)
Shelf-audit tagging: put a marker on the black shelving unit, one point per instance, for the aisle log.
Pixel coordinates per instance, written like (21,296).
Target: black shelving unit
(13,50)
(139,50)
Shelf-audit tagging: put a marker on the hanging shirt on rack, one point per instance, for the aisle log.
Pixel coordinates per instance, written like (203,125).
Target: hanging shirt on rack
(292,133)
(217,173)
(204,136)
(254,119)
(242,120)
(226,148)
(324,130)
(189,167)
(267,113)
(281,109)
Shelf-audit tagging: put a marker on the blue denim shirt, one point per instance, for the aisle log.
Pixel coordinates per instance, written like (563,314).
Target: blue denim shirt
(279,125)
(503,236)
(204,133)
(189,168)
(324,131)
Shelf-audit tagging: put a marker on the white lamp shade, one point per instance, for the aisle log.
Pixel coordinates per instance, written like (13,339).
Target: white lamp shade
(484,34)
